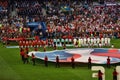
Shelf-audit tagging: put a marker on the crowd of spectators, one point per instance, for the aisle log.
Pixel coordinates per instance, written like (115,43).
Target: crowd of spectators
(3,8)
(64,18)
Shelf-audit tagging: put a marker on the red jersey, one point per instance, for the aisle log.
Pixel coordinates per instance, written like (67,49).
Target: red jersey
(39,42)
(46,58)
(29,43)
(20,43)
(46,42)
(33,56)
(26,43)
(23,43)
(69,37)
(37,38)
(33,43)
(28,29)
(100,74)
(108,61)
(26,56)
(89,60)
(57,59)
(24,30)
(115,73)
(22,53)
(43,42)
(72,59)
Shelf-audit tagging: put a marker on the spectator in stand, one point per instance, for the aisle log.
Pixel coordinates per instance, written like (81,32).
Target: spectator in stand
(81,21)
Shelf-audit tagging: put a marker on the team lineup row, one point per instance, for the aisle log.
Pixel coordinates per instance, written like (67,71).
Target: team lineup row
(71,42)
(92,42)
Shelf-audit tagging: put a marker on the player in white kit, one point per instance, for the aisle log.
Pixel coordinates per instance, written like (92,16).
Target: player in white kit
(81,40)
(98,41)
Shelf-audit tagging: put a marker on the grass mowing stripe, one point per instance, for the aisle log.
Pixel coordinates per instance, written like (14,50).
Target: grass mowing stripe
(6,72)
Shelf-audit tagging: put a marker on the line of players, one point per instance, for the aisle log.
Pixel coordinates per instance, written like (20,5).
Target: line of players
(98,42)
(78,42)
(32,43)
(42,43)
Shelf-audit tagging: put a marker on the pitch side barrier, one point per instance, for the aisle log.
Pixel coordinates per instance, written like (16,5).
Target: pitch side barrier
(96,68)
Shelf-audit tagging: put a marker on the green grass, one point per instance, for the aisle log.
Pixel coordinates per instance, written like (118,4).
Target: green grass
(12,68)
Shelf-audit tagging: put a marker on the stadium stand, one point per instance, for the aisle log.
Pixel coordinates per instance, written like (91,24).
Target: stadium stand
(84,21)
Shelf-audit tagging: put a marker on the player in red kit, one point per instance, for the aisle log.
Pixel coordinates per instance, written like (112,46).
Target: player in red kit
(26,58)
(33,44)
(22,53)
(100,75)
(115,73)
(39,43)
(57,61)
(89,63)
(46,61)
(23,44)
(20,44)
(73,62)
(29,43)
(108,62)
(33,59)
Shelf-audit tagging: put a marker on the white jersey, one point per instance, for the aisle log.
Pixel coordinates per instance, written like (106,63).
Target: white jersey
(88,40)
(108,40)
(112,46)
(102,40)
(84,40)
(95,40)
(100,45)
(81,40)
(91,40)
(79,43)
(74,41)
(98,40)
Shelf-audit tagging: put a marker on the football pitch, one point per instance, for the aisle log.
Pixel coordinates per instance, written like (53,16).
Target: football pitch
(12,68)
